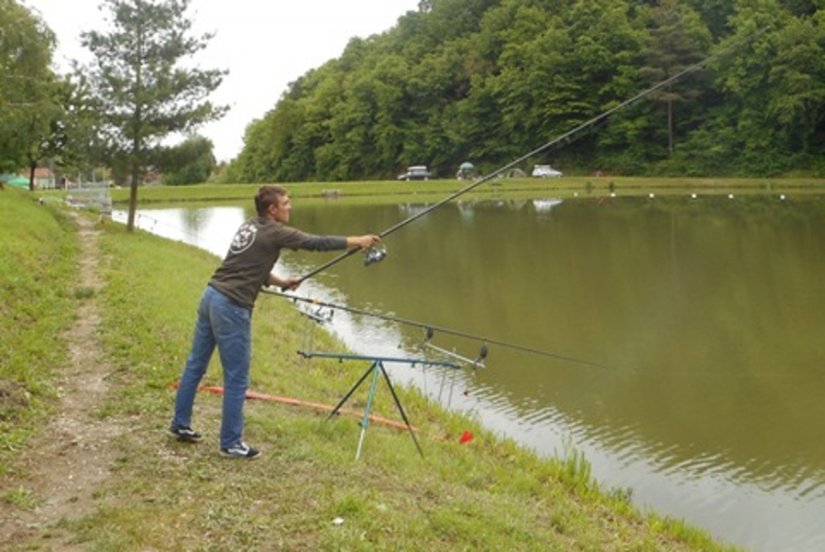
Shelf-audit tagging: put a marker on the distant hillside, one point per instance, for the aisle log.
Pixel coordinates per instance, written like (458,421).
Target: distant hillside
(487,81)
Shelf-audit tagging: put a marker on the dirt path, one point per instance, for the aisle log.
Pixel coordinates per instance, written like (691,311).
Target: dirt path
(63,466)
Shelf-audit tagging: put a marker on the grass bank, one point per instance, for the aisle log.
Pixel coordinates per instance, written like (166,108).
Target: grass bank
(433,190)
(487,494)
(38,256)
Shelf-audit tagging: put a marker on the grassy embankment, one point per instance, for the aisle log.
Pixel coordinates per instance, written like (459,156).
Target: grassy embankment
(434,190)
(38,256)
(484,495)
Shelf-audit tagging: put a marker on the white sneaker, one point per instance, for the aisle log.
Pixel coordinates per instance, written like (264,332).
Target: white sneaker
(240,451)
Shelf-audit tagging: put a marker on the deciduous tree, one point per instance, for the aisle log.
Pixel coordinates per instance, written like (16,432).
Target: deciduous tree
(190,162)
(28,103)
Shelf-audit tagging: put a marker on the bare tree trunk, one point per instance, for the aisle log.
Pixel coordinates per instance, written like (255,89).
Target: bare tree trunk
(136,147)
(130,223)
(32,167)
(670,128)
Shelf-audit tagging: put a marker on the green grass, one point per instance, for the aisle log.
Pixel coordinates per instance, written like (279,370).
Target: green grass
(488,494)
(38,253)
(434,190)
(21,498)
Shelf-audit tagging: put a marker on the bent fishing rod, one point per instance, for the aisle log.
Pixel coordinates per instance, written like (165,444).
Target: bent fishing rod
(431,329)
(376,255)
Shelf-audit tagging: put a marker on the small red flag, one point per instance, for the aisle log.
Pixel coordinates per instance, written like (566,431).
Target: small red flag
(466,437)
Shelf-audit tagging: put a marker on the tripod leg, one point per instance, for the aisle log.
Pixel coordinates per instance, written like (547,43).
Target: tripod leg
(400,409)
(366,421)
(350,392)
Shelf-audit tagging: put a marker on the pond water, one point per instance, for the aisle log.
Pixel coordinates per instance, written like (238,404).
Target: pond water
(689,363)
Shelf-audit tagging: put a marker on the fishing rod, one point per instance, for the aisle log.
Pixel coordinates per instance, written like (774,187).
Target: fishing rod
(431,329)
(375,255)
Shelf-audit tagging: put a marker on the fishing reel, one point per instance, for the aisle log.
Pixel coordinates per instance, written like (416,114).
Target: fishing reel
(374,255)
(319,314)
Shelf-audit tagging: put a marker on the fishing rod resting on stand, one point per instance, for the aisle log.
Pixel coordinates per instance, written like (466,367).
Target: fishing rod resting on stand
(431,329)
(475,363)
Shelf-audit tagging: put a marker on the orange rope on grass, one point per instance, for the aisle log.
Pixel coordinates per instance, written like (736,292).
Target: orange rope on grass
(217,390)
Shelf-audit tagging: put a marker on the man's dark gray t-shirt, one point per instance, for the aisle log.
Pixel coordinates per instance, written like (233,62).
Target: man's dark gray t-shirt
(255,250)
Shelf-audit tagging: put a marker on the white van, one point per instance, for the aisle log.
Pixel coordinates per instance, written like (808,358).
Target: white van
(545,171)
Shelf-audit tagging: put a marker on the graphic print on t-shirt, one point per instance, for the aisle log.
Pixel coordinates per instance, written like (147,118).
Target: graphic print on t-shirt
(244,238)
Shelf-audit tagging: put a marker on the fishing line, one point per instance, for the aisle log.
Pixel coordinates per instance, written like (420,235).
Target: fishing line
(376,255)
(430,328)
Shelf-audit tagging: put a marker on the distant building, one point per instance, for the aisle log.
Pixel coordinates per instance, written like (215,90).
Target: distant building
(43,178)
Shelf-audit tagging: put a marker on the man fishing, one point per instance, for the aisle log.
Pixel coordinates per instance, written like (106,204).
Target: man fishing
(225,312)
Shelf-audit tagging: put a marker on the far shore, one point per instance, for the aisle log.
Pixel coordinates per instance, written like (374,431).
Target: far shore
(388,191)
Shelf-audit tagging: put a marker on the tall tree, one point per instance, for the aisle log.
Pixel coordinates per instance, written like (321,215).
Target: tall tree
(38,126)
(144,91)
(678,39)
(28,104)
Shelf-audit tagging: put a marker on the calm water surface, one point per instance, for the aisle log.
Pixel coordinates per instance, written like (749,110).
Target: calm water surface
(703,316)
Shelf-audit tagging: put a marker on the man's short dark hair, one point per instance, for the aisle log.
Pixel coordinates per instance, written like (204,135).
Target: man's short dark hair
(268,195)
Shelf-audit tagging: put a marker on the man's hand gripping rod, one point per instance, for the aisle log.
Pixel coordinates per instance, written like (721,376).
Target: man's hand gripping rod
(372,255)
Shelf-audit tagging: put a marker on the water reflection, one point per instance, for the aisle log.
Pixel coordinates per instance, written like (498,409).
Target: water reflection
(545,205)
(700,318)
(208,228)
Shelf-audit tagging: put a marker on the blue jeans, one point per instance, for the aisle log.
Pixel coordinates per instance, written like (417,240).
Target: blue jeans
(225,324)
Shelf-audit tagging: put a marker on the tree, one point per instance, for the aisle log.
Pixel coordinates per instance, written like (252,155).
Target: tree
(80,146)
(143,90)
(38,126)
(715,14)
(190,162)
(27,86)
(487,81)
(678,40)
(774,81)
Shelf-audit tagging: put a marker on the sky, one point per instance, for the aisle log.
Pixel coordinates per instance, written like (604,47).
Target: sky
(265,45)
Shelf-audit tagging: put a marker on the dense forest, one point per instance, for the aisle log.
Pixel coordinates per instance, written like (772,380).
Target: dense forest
(487,81)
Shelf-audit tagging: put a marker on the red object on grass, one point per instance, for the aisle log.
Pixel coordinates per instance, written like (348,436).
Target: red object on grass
(466,437)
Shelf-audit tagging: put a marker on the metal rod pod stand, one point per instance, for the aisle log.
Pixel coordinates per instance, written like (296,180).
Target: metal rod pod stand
(375,369)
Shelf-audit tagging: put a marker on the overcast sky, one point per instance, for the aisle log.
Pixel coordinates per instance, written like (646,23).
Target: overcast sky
(265,44)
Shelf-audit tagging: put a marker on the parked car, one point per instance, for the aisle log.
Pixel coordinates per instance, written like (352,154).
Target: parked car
(416,172)
(545,171)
